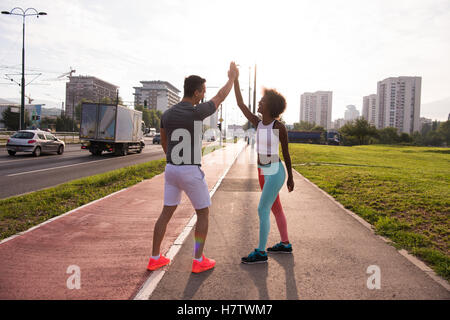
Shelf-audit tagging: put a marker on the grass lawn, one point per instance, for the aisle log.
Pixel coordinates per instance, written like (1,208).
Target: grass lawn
(403,191)
(20,213)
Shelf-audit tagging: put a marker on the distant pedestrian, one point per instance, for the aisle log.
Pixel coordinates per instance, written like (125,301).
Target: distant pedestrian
(182,172)
(271,173)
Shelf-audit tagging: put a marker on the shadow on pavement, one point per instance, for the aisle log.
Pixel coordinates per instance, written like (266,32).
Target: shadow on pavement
(287,262)
(258,274)
(194,283)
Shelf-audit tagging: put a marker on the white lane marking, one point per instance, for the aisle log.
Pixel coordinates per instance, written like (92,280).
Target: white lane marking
(36,159)
(54,168)
(66,156)
(152,282)
(69,165)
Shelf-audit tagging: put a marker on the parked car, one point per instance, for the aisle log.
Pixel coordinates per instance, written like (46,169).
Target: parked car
(34,141)
(157,138)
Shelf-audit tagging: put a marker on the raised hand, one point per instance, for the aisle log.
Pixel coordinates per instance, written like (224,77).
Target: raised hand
(233,73)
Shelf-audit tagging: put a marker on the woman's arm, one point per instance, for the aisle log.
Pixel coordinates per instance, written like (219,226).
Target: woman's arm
(247,113)
(283,136)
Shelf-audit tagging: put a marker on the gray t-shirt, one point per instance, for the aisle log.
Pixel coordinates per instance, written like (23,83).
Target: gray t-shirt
(189,120)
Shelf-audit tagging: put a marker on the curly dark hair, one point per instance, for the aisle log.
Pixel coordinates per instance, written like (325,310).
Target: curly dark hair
(275,101)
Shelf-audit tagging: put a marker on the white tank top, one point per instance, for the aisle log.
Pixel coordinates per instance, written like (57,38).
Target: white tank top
(267,139)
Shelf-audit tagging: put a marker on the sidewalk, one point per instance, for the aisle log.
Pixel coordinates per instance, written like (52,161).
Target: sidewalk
(109,240)
(332,251)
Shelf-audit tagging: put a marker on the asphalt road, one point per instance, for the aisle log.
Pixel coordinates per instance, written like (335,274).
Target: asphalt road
(24,173)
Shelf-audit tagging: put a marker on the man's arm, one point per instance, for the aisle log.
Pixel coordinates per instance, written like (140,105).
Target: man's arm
(163,136)
(223,93)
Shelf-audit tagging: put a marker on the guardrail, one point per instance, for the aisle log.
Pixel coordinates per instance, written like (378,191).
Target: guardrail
(67,137)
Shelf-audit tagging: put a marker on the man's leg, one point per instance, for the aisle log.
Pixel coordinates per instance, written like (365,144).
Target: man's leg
(201,230)
(160,228)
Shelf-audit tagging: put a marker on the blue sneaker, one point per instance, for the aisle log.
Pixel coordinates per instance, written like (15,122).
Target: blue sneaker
(281,248)
(255,257)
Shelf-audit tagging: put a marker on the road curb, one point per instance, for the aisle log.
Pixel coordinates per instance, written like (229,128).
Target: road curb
(152,281)
(414,260)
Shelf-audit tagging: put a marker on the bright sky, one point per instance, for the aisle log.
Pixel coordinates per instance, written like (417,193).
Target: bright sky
(298,46)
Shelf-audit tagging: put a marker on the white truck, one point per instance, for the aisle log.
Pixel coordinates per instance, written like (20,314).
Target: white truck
(111,128)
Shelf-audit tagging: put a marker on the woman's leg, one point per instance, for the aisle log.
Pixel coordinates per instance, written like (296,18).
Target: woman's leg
(272,186)
(277,211)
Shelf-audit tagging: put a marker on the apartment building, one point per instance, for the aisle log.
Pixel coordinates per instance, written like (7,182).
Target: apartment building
(370,108)
(351,113)
(157,95)
(89,88)
(398,103)
(316,108)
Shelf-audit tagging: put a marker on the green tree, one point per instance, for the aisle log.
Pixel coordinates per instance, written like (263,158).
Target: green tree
(303,126)
(11,119)
(404,137)
(388,135)
(425,129)
(417,138)
(444,131)
(65,123)
(151,117)
(433,138)
(47,122)
(358,131)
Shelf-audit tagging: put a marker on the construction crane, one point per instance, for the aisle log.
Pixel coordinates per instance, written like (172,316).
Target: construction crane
(29,98)
(67,74)
(62,76)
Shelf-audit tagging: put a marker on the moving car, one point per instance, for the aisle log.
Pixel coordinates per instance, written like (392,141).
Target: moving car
(34,141)
(157,138)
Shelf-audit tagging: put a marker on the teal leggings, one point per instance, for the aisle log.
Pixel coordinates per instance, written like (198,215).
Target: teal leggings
(274,176)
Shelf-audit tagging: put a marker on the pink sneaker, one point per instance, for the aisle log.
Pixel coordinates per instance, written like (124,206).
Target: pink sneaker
(206,264)
(156,264)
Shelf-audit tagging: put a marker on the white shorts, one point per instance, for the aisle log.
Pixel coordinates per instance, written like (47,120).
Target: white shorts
(187,178)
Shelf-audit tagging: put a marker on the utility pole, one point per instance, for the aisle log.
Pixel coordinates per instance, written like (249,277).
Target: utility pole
(22,98)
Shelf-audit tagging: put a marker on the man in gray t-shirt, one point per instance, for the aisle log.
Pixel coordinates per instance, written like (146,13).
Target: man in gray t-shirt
(185,116)
(181,139)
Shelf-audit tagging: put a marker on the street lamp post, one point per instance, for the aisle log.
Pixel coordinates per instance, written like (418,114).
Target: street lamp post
(23,14)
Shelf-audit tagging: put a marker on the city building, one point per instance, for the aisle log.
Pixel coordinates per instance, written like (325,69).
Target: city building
(370,108)
(338,123)
(157,95)
(351,113)
(88,88)
(316,108)
(398,104)
(424,121)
